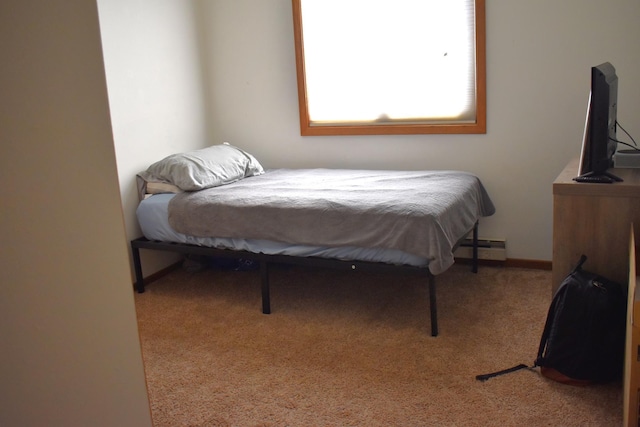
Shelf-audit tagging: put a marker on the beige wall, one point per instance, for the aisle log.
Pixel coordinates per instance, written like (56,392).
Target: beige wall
(185,74)
(69,347)
(154,79)
(539,55)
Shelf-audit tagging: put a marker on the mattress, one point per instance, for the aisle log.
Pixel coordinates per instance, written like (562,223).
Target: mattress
(423,213)
(153,217)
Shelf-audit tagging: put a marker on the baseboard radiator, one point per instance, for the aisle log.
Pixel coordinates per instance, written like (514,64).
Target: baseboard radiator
(488,249)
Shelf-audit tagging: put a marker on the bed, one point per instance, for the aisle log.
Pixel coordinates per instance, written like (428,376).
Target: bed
(219,201)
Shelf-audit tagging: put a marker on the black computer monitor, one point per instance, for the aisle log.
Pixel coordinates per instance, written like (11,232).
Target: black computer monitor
(599,139)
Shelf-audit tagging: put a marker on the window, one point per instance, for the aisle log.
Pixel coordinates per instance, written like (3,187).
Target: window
(390,66)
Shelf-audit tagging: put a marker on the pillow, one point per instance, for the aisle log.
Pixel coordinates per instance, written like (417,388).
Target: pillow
(154,187)
(209,167)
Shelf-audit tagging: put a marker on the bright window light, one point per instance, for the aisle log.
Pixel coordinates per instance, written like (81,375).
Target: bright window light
(380,62)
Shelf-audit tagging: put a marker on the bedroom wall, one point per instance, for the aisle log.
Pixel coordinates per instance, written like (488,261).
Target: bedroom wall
(539,56)
(186,74)
(69,346)
(157,101)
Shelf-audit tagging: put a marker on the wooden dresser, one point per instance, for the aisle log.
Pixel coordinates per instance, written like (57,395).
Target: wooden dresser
(594,219)
(631,381)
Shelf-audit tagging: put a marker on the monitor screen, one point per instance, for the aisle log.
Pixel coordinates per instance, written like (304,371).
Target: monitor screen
(599,138)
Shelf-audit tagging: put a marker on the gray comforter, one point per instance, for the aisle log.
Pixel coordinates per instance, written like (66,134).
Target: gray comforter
(422,213)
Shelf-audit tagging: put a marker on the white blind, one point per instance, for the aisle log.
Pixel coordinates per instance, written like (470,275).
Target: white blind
(389,61)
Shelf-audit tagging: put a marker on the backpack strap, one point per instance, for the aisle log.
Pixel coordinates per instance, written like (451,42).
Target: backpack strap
(545,333)
(582,260)
(485,377)
(547,330)
(543,343)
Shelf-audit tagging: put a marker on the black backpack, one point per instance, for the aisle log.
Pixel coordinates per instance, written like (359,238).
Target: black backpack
(584,335)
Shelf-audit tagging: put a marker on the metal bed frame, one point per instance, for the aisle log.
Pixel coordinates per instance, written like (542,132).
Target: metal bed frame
(265,259)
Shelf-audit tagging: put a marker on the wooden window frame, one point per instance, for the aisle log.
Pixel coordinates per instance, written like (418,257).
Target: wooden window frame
(477,127)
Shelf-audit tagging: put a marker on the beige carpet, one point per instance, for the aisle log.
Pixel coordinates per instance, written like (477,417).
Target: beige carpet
(354,349)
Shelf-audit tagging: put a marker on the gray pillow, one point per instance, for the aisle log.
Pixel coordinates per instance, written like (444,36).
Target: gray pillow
(205,168)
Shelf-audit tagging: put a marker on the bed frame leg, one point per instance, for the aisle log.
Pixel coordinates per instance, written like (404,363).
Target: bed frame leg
(264,278)
(433,305)
(474,263)
(135,251)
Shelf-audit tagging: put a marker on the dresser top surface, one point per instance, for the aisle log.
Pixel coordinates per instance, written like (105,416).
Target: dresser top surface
(629,187)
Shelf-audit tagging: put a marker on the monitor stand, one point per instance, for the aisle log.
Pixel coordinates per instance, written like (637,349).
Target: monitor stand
(603,178)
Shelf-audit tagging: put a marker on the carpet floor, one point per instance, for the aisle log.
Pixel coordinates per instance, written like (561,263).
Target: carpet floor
(354,349)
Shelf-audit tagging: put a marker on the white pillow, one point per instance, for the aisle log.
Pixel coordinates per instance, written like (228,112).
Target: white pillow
(209,167)
(154,187)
